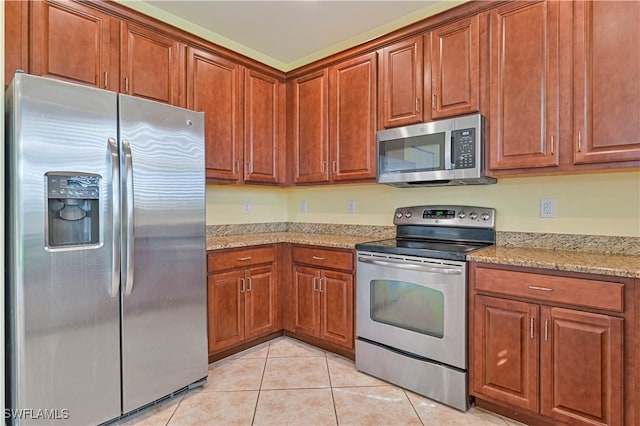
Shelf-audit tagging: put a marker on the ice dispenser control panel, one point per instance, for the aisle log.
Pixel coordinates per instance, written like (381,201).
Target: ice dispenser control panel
(72,209)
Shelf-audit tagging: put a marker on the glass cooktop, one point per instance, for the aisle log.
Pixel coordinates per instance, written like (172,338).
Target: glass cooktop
(437,249)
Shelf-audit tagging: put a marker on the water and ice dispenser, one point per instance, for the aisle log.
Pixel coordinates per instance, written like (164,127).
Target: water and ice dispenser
(73,202)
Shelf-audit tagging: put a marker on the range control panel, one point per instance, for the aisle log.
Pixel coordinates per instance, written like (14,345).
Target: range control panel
(464,216)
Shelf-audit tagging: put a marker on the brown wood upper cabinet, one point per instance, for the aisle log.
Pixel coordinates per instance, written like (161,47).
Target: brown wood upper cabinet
(214,86)
(309,127)
(352,118)
(152,65)
(264,128)
(455,68)
(401,85)
(332,122)
(606,66)
(244,114)
(16,30)
(72,42)
(524,98)
(429,77)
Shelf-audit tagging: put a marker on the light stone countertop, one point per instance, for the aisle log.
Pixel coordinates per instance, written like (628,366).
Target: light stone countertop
(246,240)
(617,265)
(533,252)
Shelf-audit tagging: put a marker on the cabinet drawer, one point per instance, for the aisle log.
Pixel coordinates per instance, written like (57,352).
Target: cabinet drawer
(332,259)
(219,261)
(572,291)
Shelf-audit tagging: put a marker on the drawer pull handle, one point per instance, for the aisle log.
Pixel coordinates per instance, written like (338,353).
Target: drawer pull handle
(245,258)
(317,258)
(533,287)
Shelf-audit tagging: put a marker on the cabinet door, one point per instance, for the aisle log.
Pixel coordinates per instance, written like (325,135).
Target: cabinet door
(607,87)
(16,30)
(352,112)
(336,293)
(505,349)
(214,86)
(524,100)
(306,302)
(260,301)
(75,43)
(310,127)
(401,83)
(455,68)
(151,65)
(581,367)
(264,111)
(226,309)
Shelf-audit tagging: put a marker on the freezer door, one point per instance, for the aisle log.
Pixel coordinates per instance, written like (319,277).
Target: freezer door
(62,291)
(164,339)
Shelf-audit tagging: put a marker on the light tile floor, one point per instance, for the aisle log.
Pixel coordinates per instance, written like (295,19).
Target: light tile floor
(287,382)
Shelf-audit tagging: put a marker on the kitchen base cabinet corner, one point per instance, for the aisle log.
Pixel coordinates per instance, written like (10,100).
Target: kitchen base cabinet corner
(321,310)
(551,346)
(242,297)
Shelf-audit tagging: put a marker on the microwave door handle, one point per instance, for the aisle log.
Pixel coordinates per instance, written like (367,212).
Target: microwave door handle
(448,151)
(411,266)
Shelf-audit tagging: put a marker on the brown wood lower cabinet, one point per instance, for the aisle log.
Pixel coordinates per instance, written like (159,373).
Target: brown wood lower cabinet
(321,299)
(555,364)
(242,300)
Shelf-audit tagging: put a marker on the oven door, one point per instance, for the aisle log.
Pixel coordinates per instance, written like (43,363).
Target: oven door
(413,304)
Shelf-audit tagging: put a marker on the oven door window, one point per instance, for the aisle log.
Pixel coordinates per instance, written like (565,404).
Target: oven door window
(412,154)
(409,306)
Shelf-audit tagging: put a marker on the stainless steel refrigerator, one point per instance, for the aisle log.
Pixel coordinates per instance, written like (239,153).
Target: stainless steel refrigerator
(106,285)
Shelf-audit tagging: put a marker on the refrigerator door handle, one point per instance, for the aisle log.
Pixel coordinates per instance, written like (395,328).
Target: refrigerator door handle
(128,233)
(115,185)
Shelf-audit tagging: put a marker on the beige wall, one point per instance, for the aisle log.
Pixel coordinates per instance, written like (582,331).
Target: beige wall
(595,204)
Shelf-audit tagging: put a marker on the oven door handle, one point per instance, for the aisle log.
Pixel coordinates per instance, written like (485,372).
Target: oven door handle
(411,266)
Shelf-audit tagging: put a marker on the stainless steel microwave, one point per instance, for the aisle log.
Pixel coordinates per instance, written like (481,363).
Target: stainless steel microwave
(443,152)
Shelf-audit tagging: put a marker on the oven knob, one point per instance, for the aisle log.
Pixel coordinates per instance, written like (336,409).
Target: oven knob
(399,215)
(407,215)
(462,215)
(485,216)
(473,215)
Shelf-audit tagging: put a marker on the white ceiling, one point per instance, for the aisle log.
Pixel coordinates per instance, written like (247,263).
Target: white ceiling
(288,34)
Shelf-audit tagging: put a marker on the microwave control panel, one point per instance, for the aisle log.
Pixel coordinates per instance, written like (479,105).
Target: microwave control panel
(464,148)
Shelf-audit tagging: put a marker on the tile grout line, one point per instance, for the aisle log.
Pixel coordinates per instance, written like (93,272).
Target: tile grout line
(176,409)
(404,391)
(333,399)
(264,369)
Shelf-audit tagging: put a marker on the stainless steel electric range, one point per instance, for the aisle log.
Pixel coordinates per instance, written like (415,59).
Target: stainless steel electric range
(411,300)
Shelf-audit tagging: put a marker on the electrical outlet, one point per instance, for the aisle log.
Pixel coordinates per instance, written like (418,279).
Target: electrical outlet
(246,207)
(303,206)
(548,207)
(351,206)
